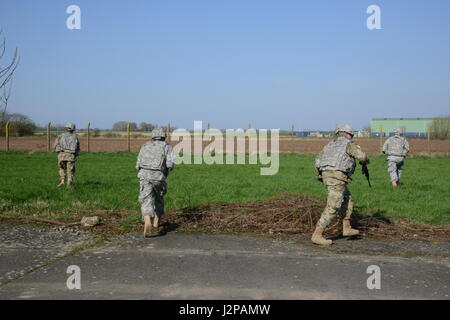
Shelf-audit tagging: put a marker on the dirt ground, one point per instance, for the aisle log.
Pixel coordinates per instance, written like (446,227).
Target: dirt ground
(287,144)
(284,214)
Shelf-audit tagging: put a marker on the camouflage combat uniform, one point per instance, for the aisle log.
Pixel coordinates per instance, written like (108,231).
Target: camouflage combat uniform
(155,161)
(67,146)
(396,148)
(334,166)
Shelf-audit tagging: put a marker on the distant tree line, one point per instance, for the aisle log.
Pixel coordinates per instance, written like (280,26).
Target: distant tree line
(141,127)
(20,125)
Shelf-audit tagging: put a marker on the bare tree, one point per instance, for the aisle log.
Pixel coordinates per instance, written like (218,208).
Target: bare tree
(6,75)
(123,125)
(143,126)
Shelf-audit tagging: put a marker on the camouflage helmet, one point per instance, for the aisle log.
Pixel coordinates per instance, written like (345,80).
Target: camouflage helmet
(398,131)
(158,133)
(344,128)
(70,126)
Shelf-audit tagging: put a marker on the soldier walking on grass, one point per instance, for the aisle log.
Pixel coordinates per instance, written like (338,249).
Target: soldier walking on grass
(334,167)
(396,148)
(67,146)
(155,160)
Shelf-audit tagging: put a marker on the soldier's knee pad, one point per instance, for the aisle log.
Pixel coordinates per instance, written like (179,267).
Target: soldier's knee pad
(325,220)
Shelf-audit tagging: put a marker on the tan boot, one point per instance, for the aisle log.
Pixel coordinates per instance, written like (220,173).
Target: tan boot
(61,184)
(317,237)
(347,230)
(69,182)
(156,221)
(394,184)
(147,226)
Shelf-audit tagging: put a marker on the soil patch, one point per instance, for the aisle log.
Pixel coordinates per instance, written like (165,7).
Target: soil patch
(287,144)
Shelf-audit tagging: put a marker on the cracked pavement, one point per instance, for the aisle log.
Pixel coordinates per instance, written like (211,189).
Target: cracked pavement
(34,262)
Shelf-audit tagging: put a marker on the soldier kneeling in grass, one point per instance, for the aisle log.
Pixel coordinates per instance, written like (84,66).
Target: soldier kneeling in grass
(155,160)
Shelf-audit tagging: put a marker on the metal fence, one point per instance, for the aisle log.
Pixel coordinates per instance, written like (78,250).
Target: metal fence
(131,140)
(87,134)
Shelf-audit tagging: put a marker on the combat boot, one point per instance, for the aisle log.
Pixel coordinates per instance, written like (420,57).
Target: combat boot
(317,237)
(347,230)
(147,226)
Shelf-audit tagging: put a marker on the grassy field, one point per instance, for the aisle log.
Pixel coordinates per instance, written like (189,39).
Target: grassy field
(107,181)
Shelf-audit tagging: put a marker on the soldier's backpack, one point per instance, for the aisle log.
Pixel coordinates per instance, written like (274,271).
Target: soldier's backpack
(152,156)
(68,142)
(396,146)
(334,157)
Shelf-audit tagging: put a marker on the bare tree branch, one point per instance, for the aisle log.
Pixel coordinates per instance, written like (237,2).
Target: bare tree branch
(6,75)
(9,70)
(4,99)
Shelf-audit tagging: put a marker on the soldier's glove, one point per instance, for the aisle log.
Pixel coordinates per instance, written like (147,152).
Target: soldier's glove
(318,175)
(366,162)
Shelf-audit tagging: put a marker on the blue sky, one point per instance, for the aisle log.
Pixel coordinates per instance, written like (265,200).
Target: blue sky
(272,63)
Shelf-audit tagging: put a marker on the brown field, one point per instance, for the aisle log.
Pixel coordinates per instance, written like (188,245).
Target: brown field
(287,144)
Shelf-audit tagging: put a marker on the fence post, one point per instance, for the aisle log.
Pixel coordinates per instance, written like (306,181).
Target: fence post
(48,136)
(7,135)
(88,137)
(128,136)
(428,138)
(381,139)
(168,133)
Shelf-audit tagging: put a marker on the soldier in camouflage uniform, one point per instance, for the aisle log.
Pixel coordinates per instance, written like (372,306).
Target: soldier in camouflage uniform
(67,146)
(396,148)
(334,167)
(155,160)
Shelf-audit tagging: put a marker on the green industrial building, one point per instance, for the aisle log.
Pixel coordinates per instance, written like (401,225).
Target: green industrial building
(412,127)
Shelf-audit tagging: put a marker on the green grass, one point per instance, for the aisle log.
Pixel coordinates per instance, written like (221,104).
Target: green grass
(107,181)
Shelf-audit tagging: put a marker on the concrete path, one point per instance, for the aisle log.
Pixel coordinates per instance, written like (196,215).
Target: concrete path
(200,266)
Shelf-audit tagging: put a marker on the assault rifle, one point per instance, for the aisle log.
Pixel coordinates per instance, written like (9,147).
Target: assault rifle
(365,171)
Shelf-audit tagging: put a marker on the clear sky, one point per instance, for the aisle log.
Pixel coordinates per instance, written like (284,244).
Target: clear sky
(229,62)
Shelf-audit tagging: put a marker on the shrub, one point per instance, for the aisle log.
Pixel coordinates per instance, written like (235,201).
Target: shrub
(440,127)
(20,125)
